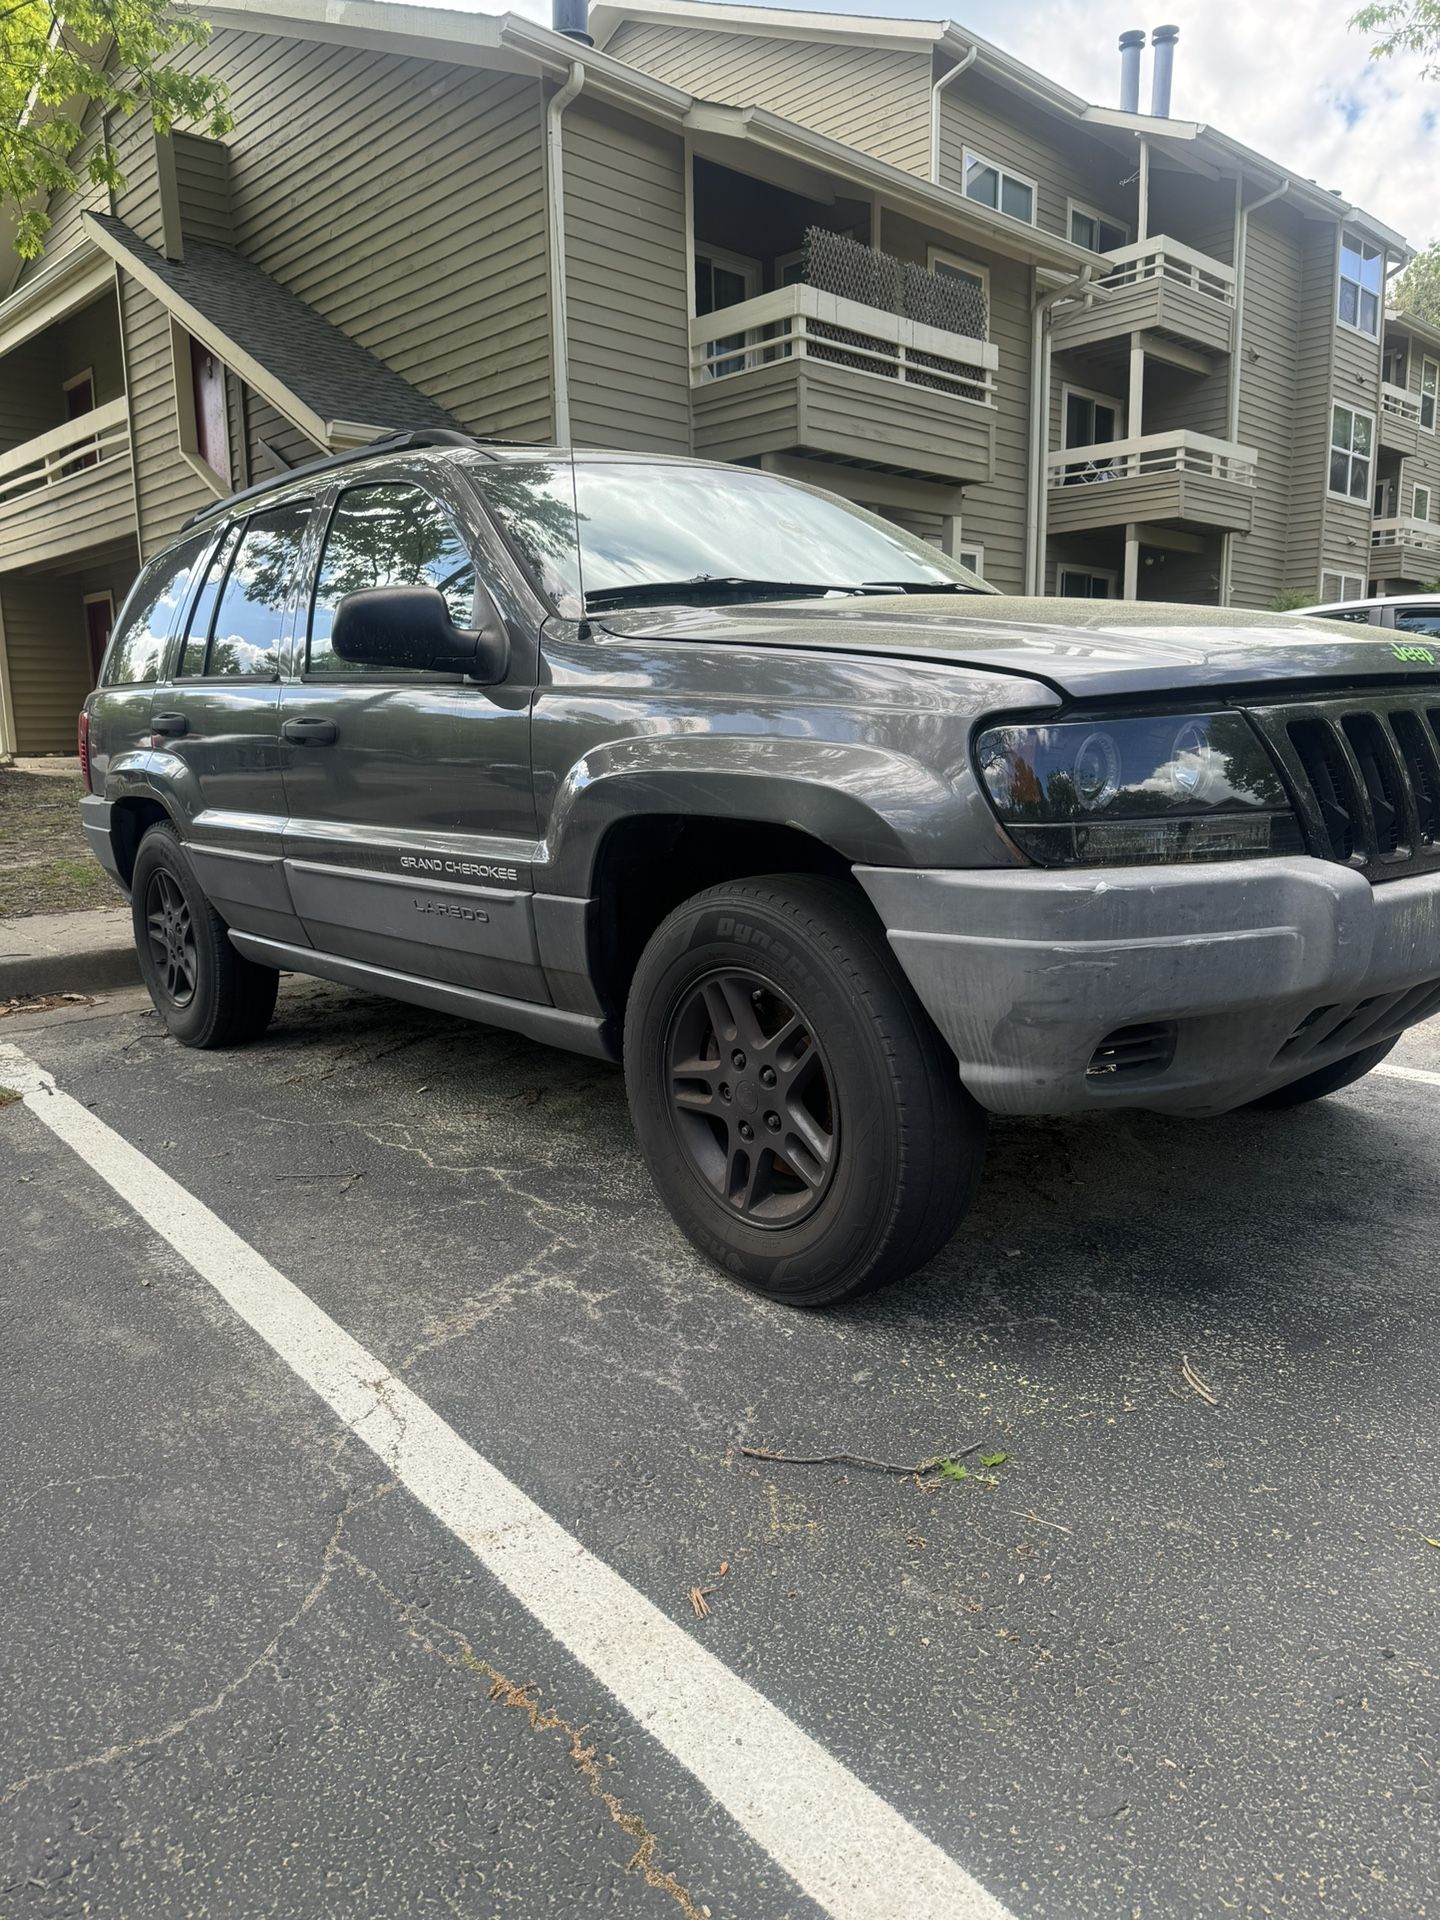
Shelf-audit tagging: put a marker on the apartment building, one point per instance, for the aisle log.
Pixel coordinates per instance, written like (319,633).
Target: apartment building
(1095,351)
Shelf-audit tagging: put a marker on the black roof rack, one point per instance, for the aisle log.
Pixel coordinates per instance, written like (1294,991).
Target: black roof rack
(401,442)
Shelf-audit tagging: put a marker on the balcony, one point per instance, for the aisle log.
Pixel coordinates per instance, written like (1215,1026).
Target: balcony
(1156,286)
(1181,478)
(1399,419)
(1404,549)
(805,371)
(68,489)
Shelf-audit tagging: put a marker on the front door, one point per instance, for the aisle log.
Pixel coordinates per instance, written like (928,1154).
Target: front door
(99,619)
(219,719)
(409,792)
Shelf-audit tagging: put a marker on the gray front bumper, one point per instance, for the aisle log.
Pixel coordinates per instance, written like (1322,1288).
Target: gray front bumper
(1026,972)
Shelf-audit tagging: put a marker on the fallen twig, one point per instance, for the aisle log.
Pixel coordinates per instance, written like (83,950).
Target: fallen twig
(857,1459)
(1025,1514)
(1192,1379)
(699,1602)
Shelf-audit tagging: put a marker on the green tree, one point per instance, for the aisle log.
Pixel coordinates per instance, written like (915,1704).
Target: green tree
(1404,26)
(57,57)
(1417,291)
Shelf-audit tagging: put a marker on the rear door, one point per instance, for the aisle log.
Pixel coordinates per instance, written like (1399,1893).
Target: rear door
(411,810)
(218,717)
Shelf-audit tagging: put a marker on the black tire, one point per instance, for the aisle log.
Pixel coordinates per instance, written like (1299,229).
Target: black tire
(207,994)
(1315,1086)
(884,1145)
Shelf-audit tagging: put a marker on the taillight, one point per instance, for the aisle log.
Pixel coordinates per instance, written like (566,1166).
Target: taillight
(84,744)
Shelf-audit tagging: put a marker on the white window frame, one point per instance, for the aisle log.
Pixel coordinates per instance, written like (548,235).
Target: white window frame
(1072,207)
(1421,493)
(1108,574)
(752,272)
(1362,247)
(970,554)
(1068,387)
(969,157)
(1429,366)
(1334,573)
(1400,348)
(943,257)
(1337,493)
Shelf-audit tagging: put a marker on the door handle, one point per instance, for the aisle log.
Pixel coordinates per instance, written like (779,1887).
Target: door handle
(308,733)
(172,725)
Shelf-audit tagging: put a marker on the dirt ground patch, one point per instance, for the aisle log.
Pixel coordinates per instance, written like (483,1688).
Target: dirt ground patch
(45,866)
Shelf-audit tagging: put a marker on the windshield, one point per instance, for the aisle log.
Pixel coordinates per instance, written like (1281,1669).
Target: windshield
(622,532)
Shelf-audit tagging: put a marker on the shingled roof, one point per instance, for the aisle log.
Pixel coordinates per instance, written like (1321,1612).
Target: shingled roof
(317,376)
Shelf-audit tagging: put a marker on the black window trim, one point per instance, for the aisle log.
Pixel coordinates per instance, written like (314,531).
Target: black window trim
(380,676)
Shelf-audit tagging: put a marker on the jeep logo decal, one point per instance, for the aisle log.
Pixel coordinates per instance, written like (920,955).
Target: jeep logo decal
(1414,656)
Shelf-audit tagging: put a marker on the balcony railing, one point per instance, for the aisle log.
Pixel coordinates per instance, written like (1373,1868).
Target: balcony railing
(803,323)
(1400,403)
(1172,262)
(30,472)
(1182,452)
(1401,536)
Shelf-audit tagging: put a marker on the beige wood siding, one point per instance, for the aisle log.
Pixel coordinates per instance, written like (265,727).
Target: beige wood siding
(1314,334)
(167,488)
(30,390)
(1063,163)
(873,98)
(43,622)
(65,209)
(1271,296)
(1354,382)
(202,180)
(83,509)
(626,285)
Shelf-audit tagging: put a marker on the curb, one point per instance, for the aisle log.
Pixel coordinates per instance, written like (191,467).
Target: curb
(99,959)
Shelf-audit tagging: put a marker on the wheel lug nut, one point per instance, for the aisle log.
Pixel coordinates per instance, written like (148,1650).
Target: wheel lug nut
(767,1076)
(724,1089)
(747,1132)
(772,1120)
(737,1060)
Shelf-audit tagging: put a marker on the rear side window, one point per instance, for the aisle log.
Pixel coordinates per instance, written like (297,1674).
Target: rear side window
(1417,620)
(138,650)
(390,535)
(202,614)
(244,641)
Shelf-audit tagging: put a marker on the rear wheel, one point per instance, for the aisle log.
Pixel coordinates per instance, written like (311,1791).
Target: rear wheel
(207,994)
(802,1120)
(1314,1086)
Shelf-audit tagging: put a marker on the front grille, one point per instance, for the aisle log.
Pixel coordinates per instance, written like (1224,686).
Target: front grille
(1361,1023)
(1365,778)
(1133,1050)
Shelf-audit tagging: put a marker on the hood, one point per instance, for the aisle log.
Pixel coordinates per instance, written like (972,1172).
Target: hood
(1086,649)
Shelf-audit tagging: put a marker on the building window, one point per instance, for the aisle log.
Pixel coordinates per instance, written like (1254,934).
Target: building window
(994,186)
(1420,506)
(973,558)
(1352,435)
(1362,280)
(1096,230)
(1086,583)
(951,266)
(1395,367)
(1341,586)
(1429,392)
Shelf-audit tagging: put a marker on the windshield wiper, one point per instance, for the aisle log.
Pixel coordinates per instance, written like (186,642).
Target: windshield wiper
(916,586)
(709,586)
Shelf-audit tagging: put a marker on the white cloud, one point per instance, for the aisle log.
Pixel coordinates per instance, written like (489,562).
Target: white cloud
(1290,80)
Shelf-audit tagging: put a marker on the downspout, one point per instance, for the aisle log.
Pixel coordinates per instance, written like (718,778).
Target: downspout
(1040,349)
(555,180)
(1233,411)
(961,66)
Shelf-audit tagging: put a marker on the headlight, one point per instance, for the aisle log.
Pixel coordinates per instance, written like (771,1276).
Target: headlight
(1124,792)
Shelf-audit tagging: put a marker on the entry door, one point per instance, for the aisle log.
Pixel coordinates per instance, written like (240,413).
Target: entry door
(219,718)
(99,619)
(409,792)
(1386,498)
(1091,421)
(724,280)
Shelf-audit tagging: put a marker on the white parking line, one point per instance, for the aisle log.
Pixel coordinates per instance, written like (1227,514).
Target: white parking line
(845,1847)
(1412,1073)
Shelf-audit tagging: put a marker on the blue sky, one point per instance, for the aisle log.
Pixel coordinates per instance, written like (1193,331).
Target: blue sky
(1291,80)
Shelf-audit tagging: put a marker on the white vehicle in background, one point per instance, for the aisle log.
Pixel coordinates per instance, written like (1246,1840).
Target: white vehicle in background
(1401,612)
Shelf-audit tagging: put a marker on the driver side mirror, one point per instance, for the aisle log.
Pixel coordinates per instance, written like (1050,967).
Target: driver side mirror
(410,627)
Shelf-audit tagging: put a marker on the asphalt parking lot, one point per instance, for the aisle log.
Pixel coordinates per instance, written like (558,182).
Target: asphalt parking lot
(1168,1657)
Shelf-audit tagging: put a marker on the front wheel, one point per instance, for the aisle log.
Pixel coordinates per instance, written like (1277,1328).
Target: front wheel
(207,994)
(802,1120)
(1314,1086)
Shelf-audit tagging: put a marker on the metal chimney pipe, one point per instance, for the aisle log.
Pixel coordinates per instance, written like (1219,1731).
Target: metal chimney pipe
(572,18)
(1162,42)
(1131,42)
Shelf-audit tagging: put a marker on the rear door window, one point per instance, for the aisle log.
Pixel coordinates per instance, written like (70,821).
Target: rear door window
(388,535)
(249,621)
(137,652)
(1418,619)
(202,614)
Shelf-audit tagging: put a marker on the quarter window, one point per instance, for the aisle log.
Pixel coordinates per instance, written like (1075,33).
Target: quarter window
(1429,392)
(144,633)
(1362,278)
(992,186)
(1351,439)
(1416,620)
(192,654)
(388,536)
(250,617)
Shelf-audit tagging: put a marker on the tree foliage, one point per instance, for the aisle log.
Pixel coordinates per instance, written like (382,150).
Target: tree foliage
(1404,26)
(59,56)
(1417,291)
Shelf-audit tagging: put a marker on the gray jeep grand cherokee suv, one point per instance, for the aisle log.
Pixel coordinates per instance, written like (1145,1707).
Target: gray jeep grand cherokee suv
(697,768)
